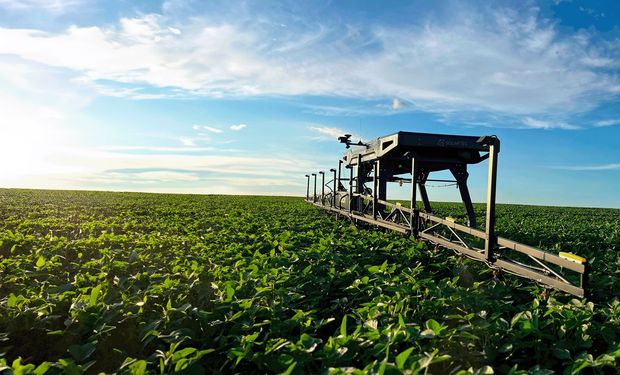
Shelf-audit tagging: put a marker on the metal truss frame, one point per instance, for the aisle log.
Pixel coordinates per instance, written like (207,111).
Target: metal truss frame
(370,205)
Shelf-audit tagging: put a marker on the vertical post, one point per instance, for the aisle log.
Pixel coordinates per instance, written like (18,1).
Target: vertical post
(339,171)
(307,187)
(333,202)
(314,196)
(382,174)
(375,185)
(339,178)
(350,187)
(413,217)
(359,203)
(491,240)
(322,187)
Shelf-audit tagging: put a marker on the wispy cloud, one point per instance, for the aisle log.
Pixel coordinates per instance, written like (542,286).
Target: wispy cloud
(332,133)
(600,167)
(53,6)
(119,168)
(498,61)
(328,132)
(237,127)
(151,177)
(605,123)
(212,129)
(188,141)
(533,123)
(159,149)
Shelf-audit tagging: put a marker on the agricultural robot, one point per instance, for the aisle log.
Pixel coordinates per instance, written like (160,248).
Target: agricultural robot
(360,194)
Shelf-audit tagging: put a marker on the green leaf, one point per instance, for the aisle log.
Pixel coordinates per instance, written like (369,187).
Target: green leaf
(434,326)
(41,262)
(516,318)
(308,343)
(561,353)
(382,367)
(138,367)
(290,369)
(42,368)
(251,338)
(185,352)
(343,327)
(275,345)
(430,358)
(69,367)
(13,300)
(82,352)
(484,370)
(94,294)
(230,292)
(286,359)
(528,326)
(401,359)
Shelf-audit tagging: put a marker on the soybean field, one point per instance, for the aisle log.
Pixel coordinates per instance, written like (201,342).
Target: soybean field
(138,283)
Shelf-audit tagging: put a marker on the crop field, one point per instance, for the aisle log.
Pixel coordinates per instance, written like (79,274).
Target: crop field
(151,283)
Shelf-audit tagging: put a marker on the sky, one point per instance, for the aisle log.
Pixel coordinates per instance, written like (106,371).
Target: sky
(246,97)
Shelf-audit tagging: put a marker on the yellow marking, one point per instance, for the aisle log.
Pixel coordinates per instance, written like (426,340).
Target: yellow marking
(450,218)
(572,257)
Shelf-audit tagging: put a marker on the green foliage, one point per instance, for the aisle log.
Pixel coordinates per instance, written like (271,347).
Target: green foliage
(146,283)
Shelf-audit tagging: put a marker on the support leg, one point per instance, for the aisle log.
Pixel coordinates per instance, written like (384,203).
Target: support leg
(460,174)
(414,216)
(350,188)
(375,184)
(314,196)
(491,240)
(423,193)
(382,175)
(359,187)
(322,187)
(333,202)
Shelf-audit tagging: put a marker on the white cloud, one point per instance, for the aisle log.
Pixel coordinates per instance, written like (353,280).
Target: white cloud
(187,141)
(53,6)
(237,127)
(397,104)
(332,133)
(157,176)
(604,123)
(160,149)
(212,129)
(71,166)
(499,61)
(533,123)
(207,128)
(243,182)
(198,137)
(329,132)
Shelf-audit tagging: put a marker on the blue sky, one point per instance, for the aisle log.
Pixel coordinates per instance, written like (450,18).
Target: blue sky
(246,97)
